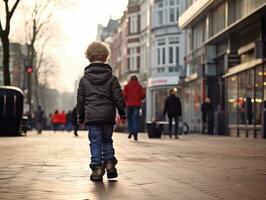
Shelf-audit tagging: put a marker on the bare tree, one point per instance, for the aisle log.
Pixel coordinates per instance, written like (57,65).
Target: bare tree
(4,35)
(39,32)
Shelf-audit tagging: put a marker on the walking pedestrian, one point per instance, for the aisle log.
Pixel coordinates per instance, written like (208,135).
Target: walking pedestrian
(134,93)
(75,121)
(63,120)
(39,119)
(69,121)
(173,109)
(99,94)
(56,121)
(207,116)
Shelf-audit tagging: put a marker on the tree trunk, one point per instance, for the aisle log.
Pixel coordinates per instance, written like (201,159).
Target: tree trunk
(6,55)
(36,89)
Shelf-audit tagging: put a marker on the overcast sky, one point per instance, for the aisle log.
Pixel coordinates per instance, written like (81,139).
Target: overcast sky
(77,27)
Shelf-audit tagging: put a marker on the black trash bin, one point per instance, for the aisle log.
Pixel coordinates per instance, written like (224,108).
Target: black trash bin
(154,130)
(11,110)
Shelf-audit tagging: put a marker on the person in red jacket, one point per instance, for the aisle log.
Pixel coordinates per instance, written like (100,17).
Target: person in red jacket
(133,93)
(63,120)
(56,120)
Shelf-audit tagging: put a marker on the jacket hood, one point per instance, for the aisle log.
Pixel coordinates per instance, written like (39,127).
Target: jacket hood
(135,82)
(98,73)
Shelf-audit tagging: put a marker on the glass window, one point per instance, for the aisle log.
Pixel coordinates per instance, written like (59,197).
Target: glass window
(258,94)
(232,100)
(160,96)
(134,24)
(177,55)
(218,22)
(171,69)
(158,56)
(171,56)
(160,18)
(264,83)
(250,97)
(243,8)
(242,98)
(172,15)
(163,55)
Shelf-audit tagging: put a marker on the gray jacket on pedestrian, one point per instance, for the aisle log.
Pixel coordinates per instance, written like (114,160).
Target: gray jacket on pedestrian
(99,94)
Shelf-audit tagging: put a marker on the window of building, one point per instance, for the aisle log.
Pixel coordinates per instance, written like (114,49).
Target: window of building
(133,56)
(167,53)
(242,96)
(232,101)
(218,19)
(258,94)
(243,8)
(199,34)
(134,24)
(264,82)
(166,12)
(172,11)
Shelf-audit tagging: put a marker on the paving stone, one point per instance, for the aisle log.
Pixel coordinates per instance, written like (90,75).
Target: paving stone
(56,166)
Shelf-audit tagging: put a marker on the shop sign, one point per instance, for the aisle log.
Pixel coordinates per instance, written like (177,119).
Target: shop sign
(163,81)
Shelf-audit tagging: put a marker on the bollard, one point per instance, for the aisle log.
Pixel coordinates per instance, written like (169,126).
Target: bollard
(264,120)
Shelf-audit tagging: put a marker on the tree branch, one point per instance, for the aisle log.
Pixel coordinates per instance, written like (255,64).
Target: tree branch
(14,8)
(1,28)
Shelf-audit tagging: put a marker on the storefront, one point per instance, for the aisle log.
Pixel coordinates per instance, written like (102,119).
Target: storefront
(157,91)
(245,96)
(192,97)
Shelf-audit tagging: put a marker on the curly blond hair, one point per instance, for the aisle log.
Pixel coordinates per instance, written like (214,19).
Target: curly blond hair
(97,51)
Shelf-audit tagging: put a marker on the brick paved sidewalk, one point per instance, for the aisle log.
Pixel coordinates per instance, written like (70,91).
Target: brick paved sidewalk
(55,166)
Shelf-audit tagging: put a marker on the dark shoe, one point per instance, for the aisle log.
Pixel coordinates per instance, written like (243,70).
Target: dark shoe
(129,135)
(110,168)
(97,173)
(176,137)
(170,135)
(76,134)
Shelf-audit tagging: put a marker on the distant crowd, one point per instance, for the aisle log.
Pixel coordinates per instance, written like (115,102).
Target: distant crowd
(57,121)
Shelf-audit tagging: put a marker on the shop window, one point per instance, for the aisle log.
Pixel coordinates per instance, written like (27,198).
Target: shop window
(264,82)
(258,94)
(242,106)
(250,96)
(232,100)
(160,96)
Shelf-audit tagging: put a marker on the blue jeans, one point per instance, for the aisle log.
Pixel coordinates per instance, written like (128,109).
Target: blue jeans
(101,143)
(133,119)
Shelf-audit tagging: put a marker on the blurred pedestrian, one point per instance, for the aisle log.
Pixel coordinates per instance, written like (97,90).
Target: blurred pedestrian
(63,120)
(39,119)
(69,121)
(49,122)
(249,110)
(99,94)
(134,93)
(56,121)
(75,121)
(173,109)
(207,116)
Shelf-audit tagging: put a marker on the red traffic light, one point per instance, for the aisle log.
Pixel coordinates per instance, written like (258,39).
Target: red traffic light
(29,69)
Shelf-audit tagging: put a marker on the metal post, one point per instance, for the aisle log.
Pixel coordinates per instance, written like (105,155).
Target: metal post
(264,120)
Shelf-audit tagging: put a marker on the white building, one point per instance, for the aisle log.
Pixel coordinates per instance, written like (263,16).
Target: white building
(167,45)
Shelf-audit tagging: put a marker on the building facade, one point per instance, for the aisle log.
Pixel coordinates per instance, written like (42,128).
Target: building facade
(225,60)
(165,60)
(16,65)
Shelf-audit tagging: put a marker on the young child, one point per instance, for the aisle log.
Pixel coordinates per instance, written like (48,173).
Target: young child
(99,94)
